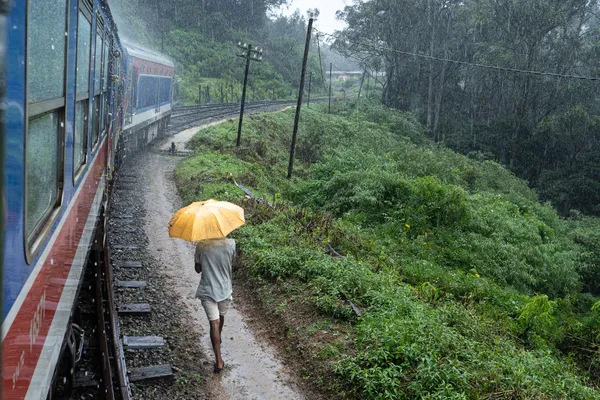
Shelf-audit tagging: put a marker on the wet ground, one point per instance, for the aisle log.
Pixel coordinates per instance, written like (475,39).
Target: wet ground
(183,137)
(253,370)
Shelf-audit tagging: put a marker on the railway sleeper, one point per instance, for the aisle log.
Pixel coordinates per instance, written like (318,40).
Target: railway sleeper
(126,247)
(133,309)
(131,284)
(152,372)
(142,342)
(130,264)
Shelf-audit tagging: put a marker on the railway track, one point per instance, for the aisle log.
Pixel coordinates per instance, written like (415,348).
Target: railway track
(185,117)
(103,371)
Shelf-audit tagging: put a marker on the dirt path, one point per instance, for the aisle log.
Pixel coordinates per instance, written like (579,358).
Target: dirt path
(253,371)
(183,137)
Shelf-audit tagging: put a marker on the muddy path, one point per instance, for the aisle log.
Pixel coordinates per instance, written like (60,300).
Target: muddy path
(253,371)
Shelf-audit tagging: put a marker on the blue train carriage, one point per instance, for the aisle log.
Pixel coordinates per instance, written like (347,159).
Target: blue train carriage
(149,98)
(63,99)
(3,20)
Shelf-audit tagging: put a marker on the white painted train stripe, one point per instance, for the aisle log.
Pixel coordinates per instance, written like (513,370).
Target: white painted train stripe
(146,115)
(10,317)
(43,374)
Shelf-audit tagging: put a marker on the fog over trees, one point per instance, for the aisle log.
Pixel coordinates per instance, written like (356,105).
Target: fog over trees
(545,128)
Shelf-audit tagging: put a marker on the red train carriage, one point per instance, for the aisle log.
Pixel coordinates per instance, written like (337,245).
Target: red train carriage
(149,101)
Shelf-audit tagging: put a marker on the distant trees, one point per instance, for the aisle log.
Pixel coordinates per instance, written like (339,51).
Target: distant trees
(545,128)
(212,17)
(201,35)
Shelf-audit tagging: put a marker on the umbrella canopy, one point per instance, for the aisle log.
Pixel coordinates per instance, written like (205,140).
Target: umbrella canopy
(209,219)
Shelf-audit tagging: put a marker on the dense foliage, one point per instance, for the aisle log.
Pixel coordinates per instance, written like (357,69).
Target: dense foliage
(544,128)
(470,287)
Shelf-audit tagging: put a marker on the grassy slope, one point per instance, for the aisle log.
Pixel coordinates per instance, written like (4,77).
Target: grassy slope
(467,283)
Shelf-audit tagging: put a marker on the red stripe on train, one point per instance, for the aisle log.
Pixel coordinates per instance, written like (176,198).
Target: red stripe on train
(20,357)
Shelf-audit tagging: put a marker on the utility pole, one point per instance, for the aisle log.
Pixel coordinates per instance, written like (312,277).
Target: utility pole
(200,94)
(330,75)
(300,92)
(251,54)
(309,84)
(361,84)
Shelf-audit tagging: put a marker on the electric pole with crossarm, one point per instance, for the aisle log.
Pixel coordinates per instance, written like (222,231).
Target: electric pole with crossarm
(250,54)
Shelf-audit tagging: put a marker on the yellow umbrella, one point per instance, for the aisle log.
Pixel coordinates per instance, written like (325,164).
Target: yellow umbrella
(209,219)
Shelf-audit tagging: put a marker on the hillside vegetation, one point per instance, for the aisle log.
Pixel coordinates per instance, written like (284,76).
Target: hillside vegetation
(201,38)
(468,286)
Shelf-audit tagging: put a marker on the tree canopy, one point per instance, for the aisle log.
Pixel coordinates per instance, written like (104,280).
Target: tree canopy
(544,127)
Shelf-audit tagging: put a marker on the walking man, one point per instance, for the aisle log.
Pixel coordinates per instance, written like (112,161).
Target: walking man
(213,260)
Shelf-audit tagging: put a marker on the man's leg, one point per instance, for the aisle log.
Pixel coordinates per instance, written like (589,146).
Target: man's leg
(212,312)
(215,338)
(223,308)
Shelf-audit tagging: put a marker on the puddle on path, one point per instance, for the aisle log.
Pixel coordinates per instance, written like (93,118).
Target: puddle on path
(253,371)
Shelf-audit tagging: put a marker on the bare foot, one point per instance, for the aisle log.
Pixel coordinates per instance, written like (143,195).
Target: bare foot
(218,368)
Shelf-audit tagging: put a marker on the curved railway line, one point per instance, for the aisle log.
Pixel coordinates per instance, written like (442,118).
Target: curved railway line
(103,370)
(185,117)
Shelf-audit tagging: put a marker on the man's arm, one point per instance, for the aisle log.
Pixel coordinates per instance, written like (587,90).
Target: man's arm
(197,258)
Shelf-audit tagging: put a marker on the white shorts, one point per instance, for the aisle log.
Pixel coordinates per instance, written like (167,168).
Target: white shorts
(214,310)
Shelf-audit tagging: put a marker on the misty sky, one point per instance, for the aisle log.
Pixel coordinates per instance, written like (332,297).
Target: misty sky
(326,22)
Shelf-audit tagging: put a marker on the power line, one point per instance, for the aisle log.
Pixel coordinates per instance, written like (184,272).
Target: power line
(478,65)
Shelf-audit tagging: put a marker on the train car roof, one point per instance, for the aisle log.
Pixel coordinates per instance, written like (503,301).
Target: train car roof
(138,51)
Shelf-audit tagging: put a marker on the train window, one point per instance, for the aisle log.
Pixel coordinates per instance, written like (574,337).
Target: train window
(148,91)
(45,70)
(96,105)
(98,63)
(84,41)
(46,50)
(165,90)
(134,87)
(42,178)
(80,137)
(95,118)
(105,75)
(84,47)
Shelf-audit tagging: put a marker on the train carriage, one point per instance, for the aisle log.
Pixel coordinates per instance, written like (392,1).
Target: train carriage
(69,101)
(149,100)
